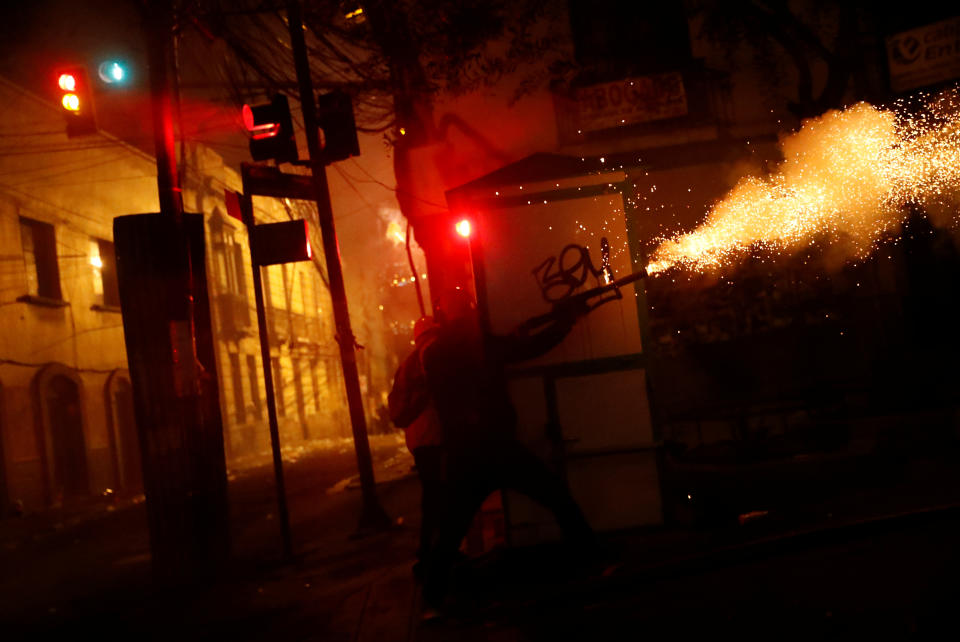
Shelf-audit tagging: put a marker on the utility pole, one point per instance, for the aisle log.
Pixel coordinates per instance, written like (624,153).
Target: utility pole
(373,518)
(170,353)
(159,29)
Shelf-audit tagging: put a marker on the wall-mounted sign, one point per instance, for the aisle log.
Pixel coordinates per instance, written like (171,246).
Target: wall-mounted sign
(924,56)
(631,101)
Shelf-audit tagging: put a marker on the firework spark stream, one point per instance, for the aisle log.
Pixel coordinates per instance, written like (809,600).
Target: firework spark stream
(848,179)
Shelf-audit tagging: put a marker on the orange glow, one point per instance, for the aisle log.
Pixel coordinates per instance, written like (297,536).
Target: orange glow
(395,233)
(849,178)
(463,228)
(67,82)
(71,102)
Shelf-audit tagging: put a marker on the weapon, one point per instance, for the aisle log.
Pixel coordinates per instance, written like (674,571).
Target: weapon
(582,298)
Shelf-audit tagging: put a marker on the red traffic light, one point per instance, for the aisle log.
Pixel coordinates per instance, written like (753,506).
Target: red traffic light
(464,228)
(261,131)
(271,130)
(76,100)
(67,82)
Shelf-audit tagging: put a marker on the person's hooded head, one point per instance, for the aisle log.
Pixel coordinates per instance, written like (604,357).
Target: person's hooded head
(424,328)
(456,305)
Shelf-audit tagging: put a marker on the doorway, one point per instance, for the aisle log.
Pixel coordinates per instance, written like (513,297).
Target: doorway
(4,490)
(61,399)
(128,443)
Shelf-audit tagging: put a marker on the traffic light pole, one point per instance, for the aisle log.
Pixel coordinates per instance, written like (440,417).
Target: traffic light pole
(246,209)
(373,518)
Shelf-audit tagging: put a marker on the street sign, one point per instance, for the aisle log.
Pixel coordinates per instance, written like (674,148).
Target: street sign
(631,101)
(265,180)
(924,56)
(284,242)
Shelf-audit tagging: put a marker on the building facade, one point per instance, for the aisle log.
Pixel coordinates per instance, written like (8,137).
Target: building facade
(67,429)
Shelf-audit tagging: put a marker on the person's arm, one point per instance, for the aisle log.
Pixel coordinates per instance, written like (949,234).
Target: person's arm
(520,346)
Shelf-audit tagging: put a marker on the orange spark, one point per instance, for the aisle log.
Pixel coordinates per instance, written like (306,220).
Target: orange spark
(848,178)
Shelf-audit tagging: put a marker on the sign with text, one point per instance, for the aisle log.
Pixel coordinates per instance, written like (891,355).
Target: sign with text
(924,56)
(264,180)
(631,101)
(283,242)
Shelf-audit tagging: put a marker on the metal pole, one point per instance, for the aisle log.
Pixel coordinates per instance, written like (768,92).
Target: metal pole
(246,208)
(159,27)
(373,517)
(416,279)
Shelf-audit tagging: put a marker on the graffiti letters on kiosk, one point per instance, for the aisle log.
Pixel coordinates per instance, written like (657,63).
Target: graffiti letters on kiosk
(631,101)
(924,56)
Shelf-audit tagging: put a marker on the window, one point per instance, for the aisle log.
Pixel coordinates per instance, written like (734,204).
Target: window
(315,384)
(268,303)
(308,310)
(278,389)
(40,259)
(298,385)
(252,374)
(236,379)
(240,283)
(232,265)
(103,258)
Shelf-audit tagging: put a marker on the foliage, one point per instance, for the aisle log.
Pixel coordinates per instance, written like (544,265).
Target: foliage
(393,57)
(813,34)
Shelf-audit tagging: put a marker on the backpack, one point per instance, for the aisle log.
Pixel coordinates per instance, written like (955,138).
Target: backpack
(410,394)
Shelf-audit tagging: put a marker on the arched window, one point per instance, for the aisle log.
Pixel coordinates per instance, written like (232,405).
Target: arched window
(123,431)
(58,395)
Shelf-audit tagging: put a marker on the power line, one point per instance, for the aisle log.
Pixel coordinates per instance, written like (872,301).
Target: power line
(396,189)
(25,364)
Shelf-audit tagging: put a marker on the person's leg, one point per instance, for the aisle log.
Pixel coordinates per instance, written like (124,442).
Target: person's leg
(524,472)
(468,488)
(433,482)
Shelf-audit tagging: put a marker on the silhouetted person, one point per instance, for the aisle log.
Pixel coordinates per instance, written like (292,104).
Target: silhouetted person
(465,373)
(411,408)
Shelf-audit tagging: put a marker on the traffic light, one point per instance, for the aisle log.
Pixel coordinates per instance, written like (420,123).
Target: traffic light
(338,130)
(113,72)
(271,131)
(285,242)
(463,228)
(76,101)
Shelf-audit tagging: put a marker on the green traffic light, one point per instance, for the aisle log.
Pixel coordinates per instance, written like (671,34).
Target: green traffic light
(112,72)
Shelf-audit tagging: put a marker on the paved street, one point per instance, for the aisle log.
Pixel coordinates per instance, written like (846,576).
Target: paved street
(91,569)
(781,576)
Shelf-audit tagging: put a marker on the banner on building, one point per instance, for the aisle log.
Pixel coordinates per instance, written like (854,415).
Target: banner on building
(924,56)
(630,101)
